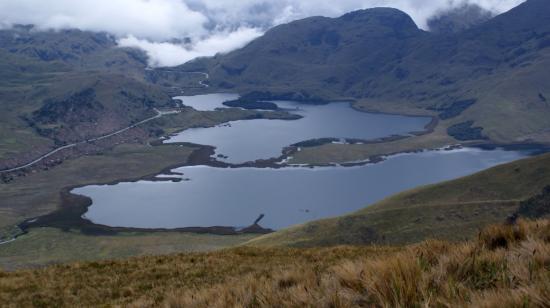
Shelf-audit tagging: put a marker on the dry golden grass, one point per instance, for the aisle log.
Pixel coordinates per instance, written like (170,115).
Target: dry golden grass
(152,279)
(505,266)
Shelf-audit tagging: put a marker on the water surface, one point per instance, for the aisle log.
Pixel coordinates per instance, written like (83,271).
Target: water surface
(236,197)
(249,140)
(206,102)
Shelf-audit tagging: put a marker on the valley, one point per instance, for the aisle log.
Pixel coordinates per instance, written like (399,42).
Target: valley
(344,184)
(105,168)
(364,159)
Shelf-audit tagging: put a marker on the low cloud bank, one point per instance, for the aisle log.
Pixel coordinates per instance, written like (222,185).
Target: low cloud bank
(170,54)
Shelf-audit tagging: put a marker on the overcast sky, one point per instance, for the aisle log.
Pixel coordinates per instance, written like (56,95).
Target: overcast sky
(213,26)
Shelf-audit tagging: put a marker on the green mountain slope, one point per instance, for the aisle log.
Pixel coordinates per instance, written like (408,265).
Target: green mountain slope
(75,49)
(320,53)
(58,87)
(452,210)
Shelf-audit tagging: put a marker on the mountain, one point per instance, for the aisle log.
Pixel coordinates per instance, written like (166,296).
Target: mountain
(58,87)
(382,60)
(320,52)
(27,51)
(97,104)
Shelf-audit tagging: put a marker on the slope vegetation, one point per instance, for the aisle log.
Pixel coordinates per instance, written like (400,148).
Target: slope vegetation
(506,265)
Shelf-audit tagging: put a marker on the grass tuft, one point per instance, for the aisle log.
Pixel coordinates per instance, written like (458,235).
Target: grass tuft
(502,236)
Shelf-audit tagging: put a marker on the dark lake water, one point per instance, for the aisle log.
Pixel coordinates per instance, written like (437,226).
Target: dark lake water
(242,141)
(236,197)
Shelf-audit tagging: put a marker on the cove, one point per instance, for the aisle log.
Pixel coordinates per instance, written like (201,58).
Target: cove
(237,196)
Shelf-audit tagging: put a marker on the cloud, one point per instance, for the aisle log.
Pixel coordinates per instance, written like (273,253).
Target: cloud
(151,19)
(262,12)
(169,54)
(207,26)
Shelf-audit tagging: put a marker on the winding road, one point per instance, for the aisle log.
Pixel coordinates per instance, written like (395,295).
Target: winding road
(206,77)
(72,145)
(8,241)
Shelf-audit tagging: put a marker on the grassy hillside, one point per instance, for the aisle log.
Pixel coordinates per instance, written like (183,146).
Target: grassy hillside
(452,210)
(507,265)
(91,105)
(61,86)
(47,246)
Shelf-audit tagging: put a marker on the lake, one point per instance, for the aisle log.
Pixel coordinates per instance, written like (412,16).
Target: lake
(236,197)
(209,196)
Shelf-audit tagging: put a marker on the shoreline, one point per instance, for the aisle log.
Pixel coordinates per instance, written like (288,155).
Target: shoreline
(73,206)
